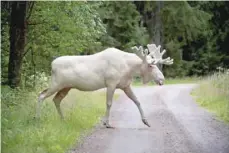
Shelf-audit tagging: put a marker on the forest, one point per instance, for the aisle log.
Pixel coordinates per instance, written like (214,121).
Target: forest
(195,34)
(33,33)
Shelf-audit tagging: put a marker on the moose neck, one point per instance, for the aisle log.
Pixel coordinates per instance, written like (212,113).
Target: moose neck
(136,66)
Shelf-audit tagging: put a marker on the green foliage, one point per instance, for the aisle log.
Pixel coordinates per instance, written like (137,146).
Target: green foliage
(180,67)
(123,29)
(21,133)
(5,45)
(67,27)
(187,22)
(209,52)
(56,29)
(213,94)
(195,34)
(183,24)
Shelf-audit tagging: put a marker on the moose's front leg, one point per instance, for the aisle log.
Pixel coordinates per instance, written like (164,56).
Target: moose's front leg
(109,99)
(128,91)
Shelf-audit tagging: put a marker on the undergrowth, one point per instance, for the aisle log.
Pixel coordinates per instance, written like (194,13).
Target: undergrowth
(23,134)
(213,94)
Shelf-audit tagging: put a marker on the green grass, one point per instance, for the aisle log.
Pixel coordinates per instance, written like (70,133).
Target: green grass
(213,94)
(171,81)
(22,134)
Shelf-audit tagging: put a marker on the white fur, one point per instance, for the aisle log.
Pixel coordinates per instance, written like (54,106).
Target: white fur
(92,72)
(110,68)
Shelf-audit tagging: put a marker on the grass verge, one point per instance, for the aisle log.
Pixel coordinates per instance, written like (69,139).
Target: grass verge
(21,133)
(213,94)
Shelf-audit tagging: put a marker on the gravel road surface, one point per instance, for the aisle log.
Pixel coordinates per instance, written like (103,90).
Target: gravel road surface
(178,125)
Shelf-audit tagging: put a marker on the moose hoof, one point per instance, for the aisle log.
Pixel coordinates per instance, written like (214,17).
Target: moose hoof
(145,122)
(108,125)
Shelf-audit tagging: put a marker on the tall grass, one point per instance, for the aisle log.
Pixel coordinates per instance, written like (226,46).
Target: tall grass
(213,94)
(22,134)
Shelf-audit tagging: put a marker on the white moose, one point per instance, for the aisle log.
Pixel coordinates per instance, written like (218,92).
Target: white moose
(111,69)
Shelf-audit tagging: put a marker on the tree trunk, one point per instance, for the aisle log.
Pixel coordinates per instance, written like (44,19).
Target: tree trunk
(17,33)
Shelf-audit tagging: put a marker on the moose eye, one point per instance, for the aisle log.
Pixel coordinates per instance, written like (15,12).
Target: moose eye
(150,66)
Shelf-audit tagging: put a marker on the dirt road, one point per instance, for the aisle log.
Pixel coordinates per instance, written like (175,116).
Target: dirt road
(178,125)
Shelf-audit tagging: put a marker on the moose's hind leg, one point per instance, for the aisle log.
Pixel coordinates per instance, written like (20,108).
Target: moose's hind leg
(42,96)
(58,98)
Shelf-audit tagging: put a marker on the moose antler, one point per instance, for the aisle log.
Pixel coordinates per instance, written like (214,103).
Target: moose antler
(157,55)
(142,53)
